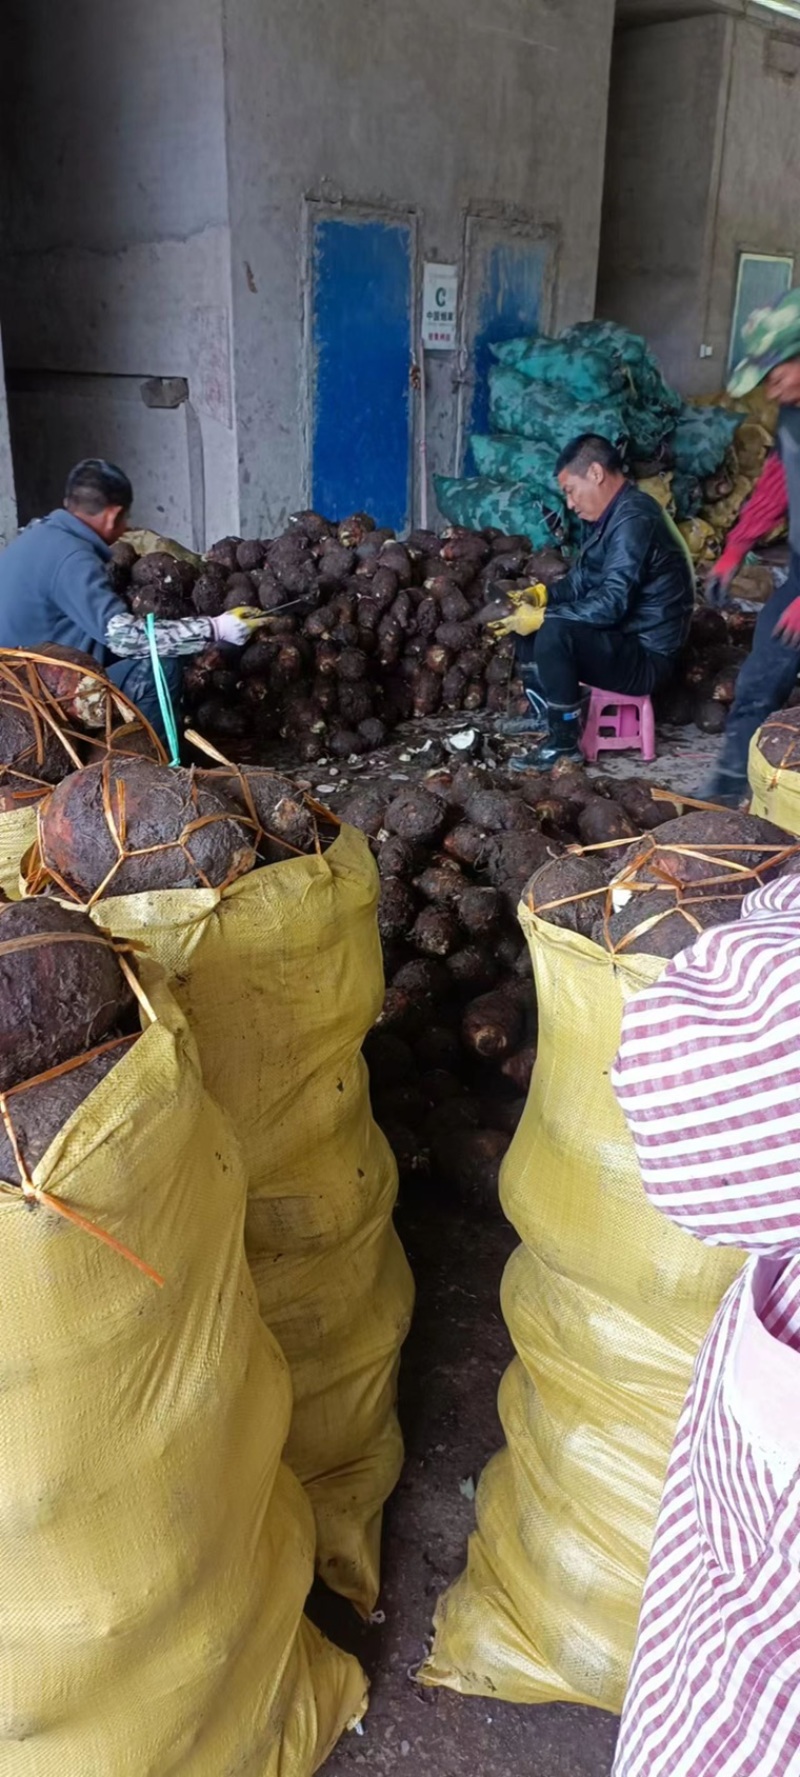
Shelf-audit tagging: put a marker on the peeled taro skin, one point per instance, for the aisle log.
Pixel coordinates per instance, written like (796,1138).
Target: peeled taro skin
(40,1112)
(155,807)
(57,997)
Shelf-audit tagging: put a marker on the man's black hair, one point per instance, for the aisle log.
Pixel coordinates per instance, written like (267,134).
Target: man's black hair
(590,448)
(95,484)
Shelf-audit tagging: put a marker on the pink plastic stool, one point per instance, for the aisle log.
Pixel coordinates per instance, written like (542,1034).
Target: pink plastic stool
(615,722)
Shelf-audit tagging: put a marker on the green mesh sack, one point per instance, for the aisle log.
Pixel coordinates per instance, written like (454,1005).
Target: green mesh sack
(516,459)
(510,506)
(584,373)
(642,369)
(545,416)
(702,438)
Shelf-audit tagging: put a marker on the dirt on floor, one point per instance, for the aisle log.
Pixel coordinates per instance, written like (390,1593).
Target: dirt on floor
(456,1354)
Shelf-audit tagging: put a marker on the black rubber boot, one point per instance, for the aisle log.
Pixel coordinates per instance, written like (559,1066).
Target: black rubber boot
(561,742)
(535,722)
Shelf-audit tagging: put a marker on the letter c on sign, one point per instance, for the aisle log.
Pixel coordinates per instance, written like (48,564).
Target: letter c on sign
(441,298)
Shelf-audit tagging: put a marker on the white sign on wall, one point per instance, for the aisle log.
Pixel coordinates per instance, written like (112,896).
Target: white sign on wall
(440,308)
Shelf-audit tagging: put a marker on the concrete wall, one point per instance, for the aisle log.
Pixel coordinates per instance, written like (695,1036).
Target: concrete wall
(490,107)
(702,164)
(159,170)
(115,254)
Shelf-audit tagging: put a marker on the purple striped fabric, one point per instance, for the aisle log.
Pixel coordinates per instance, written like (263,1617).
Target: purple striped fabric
(708,1076)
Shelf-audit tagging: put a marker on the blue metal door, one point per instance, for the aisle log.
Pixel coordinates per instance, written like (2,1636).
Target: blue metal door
(361,344)
(509,293)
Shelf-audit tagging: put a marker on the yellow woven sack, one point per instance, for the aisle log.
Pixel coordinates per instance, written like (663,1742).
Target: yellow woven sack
(156,1554)
(607,1305)
(775,788)
(280,977)
(17,834)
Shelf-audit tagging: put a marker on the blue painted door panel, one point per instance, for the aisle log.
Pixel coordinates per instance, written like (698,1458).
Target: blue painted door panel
(361,341)
(508,281)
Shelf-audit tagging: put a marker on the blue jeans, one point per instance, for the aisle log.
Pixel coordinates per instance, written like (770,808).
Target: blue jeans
(134,678)
(766,680)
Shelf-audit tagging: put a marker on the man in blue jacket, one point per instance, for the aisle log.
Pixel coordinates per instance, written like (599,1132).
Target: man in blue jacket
(55,587)
(619,618)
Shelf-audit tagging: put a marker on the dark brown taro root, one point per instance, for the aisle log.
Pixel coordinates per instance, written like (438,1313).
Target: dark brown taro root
(470,1161)
(472,970)
(61,988)
(67,678)
(601,821)
(38,1112)
(674,926)
(281,810)
(779,739)
(396,857)
(417,815)
(494,812)
(390,1060)
(173,830)
(570,892)
(479,910)
(494,1025)
(519,1068)
(397,911)
(130,739)
(435,932)
(208,594)
(512,860)
(442,883)
(18,791)
(690,874)
(27,742)
(424,978)
(365,810)
(468,845)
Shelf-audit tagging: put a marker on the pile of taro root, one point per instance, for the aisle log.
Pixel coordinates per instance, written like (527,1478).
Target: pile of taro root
(452,1056)
(67,1017)
(365,632)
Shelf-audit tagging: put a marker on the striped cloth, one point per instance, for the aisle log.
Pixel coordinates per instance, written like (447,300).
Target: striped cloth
(708,1076)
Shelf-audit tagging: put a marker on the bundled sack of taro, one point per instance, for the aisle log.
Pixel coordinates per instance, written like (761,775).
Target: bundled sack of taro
(606,1302)
(263,912)
(56,708)
(774,769)
(151,1539)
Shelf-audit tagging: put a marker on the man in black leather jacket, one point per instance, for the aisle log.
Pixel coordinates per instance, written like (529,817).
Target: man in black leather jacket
(619,618)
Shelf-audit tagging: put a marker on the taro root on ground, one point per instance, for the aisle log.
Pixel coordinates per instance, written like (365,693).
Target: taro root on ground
(62,989)
(127,826)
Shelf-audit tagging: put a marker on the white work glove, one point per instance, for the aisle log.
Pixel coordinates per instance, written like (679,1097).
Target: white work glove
(233,628)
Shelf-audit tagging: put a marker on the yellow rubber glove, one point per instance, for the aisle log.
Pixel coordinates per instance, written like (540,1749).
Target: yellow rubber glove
(523,622)
(530,595)
(252,615)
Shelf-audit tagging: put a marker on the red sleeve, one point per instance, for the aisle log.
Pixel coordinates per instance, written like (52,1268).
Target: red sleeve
(767,506)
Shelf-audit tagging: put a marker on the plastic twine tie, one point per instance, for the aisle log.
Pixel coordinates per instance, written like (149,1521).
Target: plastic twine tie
(162,691)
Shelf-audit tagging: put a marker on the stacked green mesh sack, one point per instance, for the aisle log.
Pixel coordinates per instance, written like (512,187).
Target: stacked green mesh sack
(594,377)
